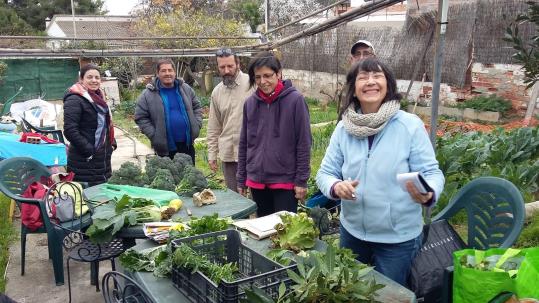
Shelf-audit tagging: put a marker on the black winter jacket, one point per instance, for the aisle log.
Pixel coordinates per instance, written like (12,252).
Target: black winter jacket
(80,125)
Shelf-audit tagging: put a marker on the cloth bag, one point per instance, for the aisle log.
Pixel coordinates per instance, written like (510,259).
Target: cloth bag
(31,213)
(481,285)
(440,240)
(63,207)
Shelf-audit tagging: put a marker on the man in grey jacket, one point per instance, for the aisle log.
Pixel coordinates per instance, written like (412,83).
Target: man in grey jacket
(169,113)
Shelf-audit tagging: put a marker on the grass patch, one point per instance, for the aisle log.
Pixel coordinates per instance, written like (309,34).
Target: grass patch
(127,123)
(530,233)
(7,236)
(319,113)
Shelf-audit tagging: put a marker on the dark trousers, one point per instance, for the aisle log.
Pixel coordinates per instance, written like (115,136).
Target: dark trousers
(269,201)
(393,260)
(229,171)
(183,148)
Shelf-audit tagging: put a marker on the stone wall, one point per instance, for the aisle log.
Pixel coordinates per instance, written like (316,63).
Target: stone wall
(505,80)
(501,79)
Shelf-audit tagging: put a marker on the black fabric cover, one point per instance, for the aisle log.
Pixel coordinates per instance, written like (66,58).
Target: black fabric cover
(440,240)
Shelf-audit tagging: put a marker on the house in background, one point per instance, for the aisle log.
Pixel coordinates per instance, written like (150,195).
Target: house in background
(88,27)
(394,15)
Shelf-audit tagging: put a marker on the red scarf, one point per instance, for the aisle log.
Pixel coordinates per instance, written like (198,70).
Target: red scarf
(272,96)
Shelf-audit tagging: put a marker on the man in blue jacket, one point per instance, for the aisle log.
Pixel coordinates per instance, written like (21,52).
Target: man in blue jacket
(169,113)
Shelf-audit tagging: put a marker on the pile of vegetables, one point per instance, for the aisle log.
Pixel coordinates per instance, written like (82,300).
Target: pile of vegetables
(295,233)
(159,260)
(163,173)
(108,219)
(508,262)
(128,174)
(331,276)
(185,257)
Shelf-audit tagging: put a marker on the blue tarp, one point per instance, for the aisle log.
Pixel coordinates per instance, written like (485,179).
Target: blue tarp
(47,154)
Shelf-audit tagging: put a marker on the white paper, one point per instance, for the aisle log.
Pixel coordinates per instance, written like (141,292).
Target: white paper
(262,227)
(402,179)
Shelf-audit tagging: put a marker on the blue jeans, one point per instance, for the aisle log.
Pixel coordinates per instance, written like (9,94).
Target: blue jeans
(393,260)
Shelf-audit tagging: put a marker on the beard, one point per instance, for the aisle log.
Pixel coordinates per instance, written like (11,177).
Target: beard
(230,80)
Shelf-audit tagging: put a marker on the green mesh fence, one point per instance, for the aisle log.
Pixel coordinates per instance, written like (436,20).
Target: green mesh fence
(38,77)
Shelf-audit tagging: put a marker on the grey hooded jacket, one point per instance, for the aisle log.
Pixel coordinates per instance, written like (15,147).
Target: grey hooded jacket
(150,115)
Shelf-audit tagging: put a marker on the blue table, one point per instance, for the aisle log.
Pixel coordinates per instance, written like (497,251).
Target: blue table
(47,153)
(162,289)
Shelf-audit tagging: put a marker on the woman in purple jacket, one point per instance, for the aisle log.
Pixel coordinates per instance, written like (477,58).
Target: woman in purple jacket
(275,142)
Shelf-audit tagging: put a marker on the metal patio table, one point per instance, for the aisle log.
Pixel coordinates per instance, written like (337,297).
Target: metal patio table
(162,289)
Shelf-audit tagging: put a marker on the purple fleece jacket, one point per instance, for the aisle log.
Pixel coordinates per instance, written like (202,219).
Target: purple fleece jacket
(275,140)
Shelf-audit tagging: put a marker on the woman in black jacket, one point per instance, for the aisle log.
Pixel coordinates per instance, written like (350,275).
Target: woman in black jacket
(88,127)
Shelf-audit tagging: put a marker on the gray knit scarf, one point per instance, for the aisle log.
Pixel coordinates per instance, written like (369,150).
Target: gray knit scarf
(364,125)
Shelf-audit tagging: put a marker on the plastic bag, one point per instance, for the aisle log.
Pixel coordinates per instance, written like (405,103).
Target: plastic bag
(479,281)
(527,281)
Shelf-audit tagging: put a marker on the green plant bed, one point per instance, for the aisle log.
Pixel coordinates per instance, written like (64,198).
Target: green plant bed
(7,236)
(491,103)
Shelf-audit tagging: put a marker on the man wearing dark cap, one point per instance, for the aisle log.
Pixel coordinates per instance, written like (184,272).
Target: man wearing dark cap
(361,50)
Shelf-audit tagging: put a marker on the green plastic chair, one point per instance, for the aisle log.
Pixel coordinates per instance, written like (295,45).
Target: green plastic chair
(16,174)
(496,213)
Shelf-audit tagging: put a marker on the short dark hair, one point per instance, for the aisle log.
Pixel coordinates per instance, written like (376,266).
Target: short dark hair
(369,65)
(262,59)
(86,68)
(225,52)
(162,62)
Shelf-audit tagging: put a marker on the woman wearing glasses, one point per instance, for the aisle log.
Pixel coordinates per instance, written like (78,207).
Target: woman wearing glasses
(373,143)
(275,140)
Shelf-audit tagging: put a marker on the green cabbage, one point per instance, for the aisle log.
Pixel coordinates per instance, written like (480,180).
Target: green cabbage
(296,233)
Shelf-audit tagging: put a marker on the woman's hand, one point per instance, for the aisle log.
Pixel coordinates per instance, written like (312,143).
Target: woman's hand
(300,192)
(346,189)
(416,195)
(242,191)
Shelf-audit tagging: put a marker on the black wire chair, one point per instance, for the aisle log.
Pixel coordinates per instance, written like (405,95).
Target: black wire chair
(65,201)
(118,287)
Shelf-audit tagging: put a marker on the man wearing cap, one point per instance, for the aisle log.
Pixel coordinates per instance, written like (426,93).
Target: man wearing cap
(225,118)
(361,50)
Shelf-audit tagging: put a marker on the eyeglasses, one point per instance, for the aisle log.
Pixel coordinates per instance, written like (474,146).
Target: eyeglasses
(364,77)
(258,78)
(224,52)
(363,54)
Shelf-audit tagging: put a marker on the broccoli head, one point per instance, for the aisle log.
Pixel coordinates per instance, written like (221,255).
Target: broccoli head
(127,174)
(163,180)
(182,161)
(193,181)
(155,163)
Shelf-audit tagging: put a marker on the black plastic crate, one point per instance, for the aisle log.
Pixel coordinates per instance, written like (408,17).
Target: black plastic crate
(225,247)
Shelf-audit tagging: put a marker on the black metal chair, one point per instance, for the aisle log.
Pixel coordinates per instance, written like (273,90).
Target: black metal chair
(66,198)
(56,134)
(118,287)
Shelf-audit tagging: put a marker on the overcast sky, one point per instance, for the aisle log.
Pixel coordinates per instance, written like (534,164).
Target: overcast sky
(119,7)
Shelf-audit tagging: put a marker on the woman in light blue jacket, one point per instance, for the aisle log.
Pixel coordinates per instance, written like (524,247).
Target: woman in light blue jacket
(375,141)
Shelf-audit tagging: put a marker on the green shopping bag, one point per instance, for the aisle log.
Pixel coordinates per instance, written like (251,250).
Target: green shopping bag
(527,281)
(481,275)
